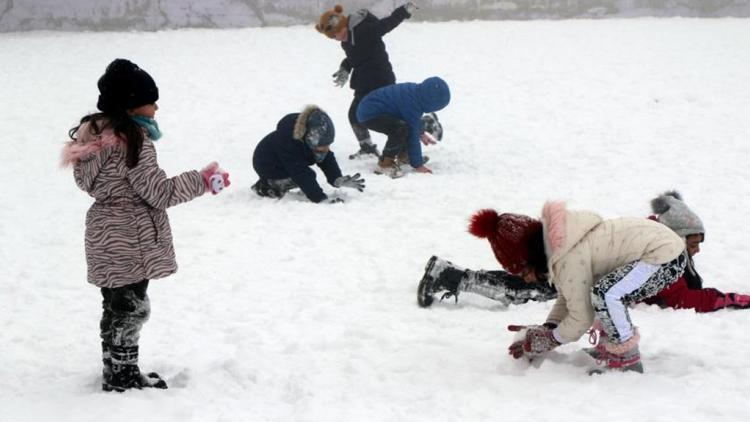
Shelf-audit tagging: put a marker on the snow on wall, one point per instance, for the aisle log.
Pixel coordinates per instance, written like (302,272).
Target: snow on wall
(72,15)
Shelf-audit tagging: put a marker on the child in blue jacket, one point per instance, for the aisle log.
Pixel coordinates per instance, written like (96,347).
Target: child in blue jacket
(283,158)
(396,111)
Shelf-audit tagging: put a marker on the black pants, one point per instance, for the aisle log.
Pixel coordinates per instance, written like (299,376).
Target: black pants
(360,131)
(273,188)
(125,310)
(505,287)
(397,131)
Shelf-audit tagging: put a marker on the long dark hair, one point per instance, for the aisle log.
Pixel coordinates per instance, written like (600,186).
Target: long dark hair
(537,255)
(122,125)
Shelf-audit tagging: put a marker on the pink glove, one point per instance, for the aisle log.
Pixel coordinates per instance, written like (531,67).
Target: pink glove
(215,178)
(538,340)
(736,300)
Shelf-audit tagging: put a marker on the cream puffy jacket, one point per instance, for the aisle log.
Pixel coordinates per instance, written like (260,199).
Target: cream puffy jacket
(582,247)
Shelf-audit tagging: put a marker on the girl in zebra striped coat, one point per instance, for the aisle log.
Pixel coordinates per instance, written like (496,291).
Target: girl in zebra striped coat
(128,239)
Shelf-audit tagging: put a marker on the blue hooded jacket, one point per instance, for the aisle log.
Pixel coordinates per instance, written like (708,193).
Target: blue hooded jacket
(279,156)
(407,101)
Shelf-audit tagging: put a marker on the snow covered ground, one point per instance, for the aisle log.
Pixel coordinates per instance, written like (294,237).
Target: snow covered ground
(292,311)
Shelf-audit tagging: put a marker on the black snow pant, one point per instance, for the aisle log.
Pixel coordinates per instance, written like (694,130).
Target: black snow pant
(505,287)
(397,131)
(273,188)
(360,131)
(124,311)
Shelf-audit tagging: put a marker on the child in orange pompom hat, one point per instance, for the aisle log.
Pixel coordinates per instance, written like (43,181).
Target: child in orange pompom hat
(361,36)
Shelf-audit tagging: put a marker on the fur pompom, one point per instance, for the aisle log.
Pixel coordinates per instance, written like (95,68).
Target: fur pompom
(338,8)
(660,205)
(483,223)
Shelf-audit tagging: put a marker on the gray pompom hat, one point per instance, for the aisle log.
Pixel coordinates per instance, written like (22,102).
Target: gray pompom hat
(674,214)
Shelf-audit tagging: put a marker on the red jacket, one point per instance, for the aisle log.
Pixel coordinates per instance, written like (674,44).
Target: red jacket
(688,292)
(679,296)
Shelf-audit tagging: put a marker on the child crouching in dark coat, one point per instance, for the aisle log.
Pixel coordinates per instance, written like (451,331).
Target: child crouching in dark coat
(283,158)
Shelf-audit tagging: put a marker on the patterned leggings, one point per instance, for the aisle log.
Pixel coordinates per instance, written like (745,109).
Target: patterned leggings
(125,310)
(626,285)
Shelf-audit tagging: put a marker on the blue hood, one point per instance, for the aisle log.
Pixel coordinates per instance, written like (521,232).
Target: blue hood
(433,94)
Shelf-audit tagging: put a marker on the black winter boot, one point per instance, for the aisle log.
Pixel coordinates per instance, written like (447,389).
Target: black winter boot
(126,374)
(439,276)
(107,369)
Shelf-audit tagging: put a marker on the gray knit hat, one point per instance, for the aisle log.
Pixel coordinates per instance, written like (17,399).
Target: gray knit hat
(674,214)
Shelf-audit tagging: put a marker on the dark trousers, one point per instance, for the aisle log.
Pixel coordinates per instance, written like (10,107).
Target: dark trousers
(505,287)
(360,131)
(124,311)
(273,188)
(397,131)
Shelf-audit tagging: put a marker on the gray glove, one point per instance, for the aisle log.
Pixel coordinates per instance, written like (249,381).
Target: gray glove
(354,182)
(340,77)
(410,7)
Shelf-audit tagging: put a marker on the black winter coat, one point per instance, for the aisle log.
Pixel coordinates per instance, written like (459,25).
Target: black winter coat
(365,50)
(280,156)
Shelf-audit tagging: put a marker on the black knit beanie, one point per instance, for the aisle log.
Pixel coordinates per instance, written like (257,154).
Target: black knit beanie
(124,86)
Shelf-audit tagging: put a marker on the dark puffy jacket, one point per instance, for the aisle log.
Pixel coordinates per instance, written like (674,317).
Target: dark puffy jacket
(365,51)
(280,156)
(407,101)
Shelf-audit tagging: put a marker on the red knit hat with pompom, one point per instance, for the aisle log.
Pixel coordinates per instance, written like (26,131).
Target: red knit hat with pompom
(510,236)
(332,22)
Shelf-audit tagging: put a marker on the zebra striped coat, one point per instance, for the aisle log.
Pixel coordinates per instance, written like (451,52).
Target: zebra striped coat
(128,238)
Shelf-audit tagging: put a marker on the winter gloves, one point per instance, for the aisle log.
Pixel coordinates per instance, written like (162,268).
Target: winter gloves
(354,182)
(733,300)
(340,77)
(410,7)
(537,340)
(215,178)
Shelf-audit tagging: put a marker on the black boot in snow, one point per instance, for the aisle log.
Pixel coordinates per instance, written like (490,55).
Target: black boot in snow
(107,366)
(126,374)
(439,276)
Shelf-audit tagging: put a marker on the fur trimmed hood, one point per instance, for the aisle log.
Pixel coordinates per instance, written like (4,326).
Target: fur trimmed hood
(87,145)
(564,228)
(314,127)
(300,125)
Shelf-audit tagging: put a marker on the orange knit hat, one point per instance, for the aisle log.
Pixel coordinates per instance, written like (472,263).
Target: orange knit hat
(332,21)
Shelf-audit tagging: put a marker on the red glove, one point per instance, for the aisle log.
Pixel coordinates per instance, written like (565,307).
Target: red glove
(215,178)
(538,340)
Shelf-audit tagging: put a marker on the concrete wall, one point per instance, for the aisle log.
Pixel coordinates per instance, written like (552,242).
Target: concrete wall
(150,15)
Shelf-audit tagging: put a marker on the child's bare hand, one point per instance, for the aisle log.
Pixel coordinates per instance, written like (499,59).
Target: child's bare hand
(427,139)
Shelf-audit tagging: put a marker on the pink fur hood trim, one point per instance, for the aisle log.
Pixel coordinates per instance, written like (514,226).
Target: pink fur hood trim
(86,145)
(553,214)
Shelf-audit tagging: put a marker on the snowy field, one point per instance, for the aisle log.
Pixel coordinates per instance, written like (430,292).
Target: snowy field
(292,311)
